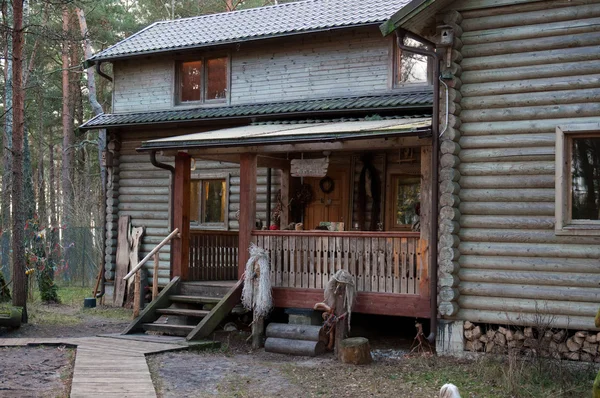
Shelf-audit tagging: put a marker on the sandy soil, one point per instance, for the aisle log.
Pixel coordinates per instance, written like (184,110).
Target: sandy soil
(36,371)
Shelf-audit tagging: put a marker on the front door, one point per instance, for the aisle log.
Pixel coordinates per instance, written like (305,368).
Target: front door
(328,206)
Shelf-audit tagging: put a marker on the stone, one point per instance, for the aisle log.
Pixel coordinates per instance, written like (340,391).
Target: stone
(579,337)
(591,338)
(490,334)
(528,332)
(502,330)
(510,335)
(489,346)
(519,335)
(483,339)
(559,336)
(476,332)
(590,348)
(572,345)
(468,325)
(500,339)
(230,327)
(474,346)
(562,348)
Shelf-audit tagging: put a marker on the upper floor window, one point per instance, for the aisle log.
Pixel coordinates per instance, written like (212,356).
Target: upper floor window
(578,180)
(410,68)
(203,80)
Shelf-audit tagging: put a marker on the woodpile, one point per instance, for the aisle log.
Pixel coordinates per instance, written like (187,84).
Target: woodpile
(559,344)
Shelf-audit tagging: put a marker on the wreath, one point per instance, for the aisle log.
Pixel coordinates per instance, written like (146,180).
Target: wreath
(327,185)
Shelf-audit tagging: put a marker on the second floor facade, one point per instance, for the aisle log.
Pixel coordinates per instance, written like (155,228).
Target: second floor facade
(346,62)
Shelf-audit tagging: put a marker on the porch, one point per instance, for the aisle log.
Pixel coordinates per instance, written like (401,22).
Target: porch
(388,260)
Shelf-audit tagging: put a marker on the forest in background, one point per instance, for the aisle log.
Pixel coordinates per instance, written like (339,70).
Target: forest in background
(51,195)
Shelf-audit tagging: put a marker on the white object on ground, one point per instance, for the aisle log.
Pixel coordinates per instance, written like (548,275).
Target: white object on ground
(449,391)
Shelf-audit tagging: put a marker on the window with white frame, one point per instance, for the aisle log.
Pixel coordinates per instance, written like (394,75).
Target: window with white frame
(209,201)
(202,81)
(578,179)
(410,68)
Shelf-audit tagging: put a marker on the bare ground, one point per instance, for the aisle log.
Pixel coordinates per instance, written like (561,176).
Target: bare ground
(36,371)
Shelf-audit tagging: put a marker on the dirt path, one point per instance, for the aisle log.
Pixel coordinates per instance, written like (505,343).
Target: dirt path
(36,371)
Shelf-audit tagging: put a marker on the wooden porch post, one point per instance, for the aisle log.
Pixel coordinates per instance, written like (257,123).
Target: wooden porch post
(247,207)
(180,247)
(285,197)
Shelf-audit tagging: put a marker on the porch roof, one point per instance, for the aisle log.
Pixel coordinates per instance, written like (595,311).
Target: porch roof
(402,101)
(278,133)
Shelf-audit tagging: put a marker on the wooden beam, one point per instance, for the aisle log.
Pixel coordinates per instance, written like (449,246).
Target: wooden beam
(180,247)
(247,219)
(273,162)
(409,305)
(284,184)
(352,145)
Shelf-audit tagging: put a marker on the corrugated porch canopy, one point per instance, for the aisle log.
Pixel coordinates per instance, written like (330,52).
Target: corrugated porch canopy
(273,134)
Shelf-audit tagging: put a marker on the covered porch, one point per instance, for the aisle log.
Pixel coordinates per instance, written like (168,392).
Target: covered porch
(344,228)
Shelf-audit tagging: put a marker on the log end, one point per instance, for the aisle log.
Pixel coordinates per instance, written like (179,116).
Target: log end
(355,350)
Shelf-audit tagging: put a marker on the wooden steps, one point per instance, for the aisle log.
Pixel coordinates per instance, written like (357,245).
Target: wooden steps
(190,309)
(170,329)
(178,298)
(183,312)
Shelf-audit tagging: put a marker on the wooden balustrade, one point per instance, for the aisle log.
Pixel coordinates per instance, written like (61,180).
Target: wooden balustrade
(213,255)
(385,262)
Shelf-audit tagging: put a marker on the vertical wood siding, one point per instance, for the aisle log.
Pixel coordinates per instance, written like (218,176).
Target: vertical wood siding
(523,74)
(345,63)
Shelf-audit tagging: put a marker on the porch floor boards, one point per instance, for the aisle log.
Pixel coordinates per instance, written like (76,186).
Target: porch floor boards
(109,366)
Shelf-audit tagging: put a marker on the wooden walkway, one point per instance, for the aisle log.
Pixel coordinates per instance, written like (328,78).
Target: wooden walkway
(109,366)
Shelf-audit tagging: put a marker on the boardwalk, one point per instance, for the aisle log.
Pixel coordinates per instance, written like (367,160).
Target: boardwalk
(109,366)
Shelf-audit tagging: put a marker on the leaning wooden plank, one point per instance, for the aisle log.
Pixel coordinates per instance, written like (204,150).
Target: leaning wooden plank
(122,259)
(294,347)
(218,313)
(149,313)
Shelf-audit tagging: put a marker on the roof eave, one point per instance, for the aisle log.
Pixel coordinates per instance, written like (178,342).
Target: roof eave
(84,126)
(405,14)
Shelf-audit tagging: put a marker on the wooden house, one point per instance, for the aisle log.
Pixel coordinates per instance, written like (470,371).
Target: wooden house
(295,113)
(519,239)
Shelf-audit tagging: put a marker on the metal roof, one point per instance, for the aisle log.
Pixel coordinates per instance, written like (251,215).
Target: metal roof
(251,24)
(267,134)
(397,101)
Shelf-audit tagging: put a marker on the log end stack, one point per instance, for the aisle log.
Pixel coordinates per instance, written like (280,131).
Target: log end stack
(304,340)
(558,344)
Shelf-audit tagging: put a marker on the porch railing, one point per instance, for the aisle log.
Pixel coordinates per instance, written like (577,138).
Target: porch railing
(213,255)
(389,262)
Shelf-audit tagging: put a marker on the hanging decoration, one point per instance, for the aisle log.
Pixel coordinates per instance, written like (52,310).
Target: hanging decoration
(326,184)
(309,167)
(369,188)
(256,294)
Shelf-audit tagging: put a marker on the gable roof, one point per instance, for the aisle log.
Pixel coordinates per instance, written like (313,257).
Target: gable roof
(251,24)
(406,100)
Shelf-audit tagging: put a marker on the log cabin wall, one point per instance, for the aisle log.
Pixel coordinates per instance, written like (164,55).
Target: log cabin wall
(355,62)
(519,71)
(141,191)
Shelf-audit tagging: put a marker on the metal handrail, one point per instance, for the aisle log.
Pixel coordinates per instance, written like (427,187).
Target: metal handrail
(152,253)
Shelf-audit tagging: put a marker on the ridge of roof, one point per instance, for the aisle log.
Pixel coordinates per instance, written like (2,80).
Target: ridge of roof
(305,16)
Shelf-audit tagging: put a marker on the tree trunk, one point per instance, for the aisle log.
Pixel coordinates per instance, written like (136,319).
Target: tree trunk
(68,139)
(19,277)
(7,147)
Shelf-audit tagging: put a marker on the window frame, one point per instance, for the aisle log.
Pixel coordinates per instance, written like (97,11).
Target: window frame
(203,58)
(403,169)
(394,84)
(224,226)
(564,224)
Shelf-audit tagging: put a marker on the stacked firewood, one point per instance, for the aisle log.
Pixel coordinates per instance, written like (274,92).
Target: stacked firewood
(580,346)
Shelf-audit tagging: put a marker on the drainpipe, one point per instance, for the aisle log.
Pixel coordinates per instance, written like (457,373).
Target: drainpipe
(433,247)
(170,168)
(99,71)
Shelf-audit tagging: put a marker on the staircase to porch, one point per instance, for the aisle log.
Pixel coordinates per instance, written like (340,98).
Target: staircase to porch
(189,309)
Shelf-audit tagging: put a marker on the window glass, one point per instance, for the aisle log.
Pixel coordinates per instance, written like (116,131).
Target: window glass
(191,81)
(585,179)
(195,201)
(216,79)
(213,201)
(406,196)
(410,67)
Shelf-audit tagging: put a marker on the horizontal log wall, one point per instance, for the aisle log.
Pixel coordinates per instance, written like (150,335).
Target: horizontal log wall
(141,191)
(524,71)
